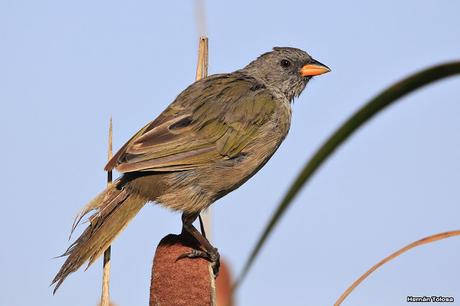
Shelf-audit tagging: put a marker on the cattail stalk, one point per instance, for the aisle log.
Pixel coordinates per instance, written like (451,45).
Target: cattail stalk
(105,296)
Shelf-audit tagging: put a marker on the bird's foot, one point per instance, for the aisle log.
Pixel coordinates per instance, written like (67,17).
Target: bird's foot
(212,256)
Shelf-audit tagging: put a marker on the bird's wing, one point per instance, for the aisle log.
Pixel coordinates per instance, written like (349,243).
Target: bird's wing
(213,119)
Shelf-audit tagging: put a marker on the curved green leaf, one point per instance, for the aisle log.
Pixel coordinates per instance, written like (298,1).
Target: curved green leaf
(378,103)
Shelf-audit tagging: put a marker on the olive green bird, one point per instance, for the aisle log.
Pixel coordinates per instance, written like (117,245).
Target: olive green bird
(215,135)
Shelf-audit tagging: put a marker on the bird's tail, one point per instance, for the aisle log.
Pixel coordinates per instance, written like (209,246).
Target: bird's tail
(114,209)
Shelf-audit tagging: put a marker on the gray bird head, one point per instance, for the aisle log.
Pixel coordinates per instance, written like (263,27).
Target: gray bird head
(285,69)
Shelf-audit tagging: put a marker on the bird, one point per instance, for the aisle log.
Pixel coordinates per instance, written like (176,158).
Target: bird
(210,140)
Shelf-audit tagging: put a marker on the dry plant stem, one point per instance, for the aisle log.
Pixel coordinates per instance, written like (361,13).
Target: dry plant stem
(417,243)
(202,65)
(200,17)
(202,72)
(105,296)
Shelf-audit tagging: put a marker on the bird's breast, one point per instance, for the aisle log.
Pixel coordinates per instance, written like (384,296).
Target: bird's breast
(233,172)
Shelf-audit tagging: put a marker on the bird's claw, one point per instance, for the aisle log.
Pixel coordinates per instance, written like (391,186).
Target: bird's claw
(213,257)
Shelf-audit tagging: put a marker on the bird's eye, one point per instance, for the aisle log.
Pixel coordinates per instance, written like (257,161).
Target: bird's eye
(285,63)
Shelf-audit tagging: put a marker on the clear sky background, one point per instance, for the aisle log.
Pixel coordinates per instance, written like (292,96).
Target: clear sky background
(66,66)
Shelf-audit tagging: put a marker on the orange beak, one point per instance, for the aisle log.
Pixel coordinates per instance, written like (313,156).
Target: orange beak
(314,68)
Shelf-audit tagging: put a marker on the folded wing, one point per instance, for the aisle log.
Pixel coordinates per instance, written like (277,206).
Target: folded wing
(213,119)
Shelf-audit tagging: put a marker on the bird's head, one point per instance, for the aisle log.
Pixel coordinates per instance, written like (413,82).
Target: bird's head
(285,69)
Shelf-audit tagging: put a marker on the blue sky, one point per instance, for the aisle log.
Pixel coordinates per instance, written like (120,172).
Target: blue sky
(65,67)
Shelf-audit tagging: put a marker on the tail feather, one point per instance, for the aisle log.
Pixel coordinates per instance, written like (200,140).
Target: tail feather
(95,203)
(114,209)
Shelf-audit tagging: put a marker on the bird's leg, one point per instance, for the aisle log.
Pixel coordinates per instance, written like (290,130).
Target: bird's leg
(203,232)
(210,253)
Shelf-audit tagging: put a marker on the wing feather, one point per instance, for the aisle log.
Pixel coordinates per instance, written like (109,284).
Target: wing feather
(201,126)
